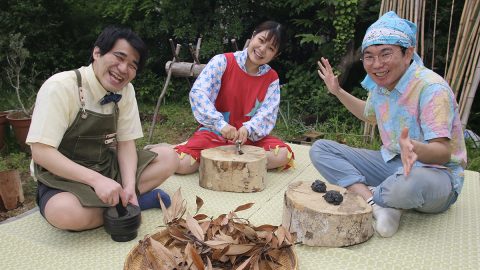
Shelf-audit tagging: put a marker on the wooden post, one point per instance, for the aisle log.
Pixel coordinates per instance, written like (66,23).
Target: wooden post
(246,44)
(318,223)
(179,69)
(223,169)
(11,191)
(175,52)
(234,44)
(471,90)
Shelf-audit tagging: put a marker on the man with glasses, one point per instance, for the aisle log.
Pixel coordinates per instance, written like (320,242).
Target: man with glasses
(421,161)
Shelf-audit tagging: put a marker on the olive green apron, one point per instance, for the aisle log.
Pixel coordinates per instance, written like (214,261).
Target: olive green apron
(90,141)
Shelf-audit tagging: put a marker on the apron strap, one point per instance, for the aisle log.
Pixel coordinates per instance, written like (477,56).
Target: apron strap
(81,95)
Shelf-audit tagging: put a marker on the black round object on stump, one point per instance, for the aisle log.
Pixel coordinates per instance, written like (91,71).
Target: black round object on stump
(122,224)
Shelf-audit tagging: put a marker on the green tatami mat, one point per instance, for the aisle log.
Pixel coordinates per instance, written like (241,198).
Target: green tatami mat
(450,240)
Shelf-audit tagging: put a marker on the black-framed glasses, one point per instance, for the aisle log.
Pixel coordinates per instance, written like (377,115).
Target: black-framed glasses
(382,58)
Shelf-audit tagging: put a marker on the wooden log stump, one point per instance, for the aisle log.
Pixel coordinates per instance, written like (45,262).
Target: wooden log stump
(184,69)
(222,169)
(318,223)
(11,191)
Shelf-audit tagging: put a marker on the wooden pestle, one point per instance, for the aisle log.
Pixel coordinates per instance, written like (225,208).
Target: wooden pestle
(121,210)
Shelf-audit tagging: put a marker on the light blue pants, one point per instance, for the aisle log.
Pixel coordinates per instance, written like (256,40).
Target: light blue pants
(426,189)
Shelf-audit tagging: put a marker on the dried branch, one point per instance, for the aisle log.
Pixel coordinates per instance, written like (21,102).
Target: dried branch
(16,57)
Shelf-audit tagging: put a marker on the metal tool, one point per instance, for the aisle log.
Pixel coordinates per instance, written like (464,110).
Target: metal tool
(238,145)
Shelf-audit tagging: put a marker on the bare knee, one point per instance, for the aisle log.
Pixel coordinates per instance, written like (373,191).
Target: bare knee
(187,165)
(160,169)
(65,212)
(167,156)
(279,159)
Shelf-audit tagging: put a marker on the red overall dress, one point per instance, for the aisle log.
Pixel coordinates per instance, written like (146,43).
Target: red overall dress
(237,99)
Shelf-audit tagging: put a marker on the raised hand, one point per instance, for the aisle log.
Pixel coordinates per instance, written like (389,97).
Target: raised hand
(325,72)
(407,151)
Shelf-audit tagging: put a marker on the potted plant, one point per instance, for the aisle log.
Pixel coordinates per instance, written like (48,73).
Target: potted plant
(11,191)
(24,85)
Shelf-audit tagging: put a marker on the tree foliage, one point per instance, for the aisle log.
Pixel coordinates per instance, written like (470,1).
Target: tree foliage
(59,35)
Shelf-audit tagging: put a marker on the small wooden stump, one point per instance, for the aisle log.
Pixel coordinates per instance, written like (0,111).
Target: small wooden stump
(11,191)
(222,169)
(308,138)
(318,223)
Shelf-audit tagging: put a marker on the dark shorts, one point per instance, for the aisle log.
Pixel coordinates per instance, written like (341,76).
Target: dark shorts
(51,184)
(44,193)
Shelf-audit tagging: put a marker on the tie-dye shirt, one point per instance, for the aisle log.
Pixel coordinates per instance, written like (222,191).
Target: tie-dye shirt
(205,91)
(423,102)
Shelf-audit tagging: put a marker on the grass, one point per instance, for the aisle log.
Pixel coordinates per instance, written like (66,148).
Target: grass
(175,124)
(473,157)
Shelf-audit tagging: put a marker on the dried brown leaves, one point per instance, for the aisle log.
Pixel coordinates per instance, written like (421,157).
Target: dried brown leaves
(225,242)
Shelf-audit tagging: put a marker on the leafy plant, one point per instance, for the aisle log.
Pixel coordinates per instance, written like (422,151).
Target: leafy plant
(22,83)
(473,156)
(344,23)
(311,38)
(14,161)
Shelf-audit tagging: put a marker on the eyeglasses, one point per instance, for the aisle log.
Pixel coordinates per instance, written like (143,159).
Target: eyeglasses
(382,58)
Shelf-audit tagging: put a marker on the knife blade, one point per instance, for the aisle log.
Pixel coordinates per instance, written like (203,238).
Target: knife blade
(238,147)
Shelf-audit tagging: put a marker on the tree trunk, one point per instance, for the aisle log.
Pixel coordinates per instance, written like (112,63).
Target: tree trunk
(184,69)
(318,223)
(11,192)
(351,56)
(222,169)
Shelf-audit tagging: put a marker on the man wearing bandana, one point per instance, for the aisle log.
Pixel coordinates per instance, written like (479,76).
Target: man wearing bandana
(420,164)
(82,138)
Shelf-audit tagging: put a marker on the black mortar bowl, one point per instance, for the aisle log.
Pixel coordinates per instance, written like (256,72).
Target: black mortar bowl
(122,222)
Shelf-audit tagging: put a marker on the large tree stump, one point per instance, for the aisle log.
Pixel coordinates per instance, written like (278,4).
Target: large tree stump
(11,191)
(222,169)
(318,223)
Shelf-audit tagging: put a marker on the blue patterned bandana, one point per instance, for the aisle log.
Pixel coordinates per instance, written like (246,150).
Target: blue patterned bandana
(390,30)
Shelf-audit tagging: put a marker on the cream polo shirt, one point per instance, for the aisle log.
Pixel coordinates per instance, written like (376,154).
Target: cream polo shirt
(58,103)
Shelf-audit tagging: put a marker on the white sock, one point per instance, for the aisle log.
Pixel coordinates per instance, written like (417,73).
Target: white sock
(370,201)
(387,220)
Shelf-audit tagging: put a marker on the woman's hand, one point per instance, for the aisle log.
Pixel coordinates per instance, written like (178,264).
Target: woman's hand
(242,134)
(229,133)
(325,72)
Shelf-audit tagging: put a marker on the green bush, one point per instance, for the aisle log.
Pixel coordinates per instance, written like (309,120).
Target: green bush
(59,35)
(15,161)
(473,156)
